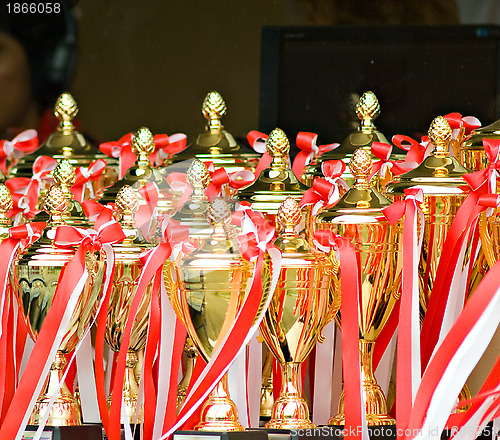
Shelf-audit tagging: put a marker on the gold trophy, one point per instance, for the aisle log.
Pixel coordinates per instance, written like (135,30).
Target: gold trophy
(141,174)
(358,215)
(125,278)
(6,204)
(216,144)
(367,110)
(271,188)
(440,177)
(213,281)
(67,143)
(34,277)
(304,301)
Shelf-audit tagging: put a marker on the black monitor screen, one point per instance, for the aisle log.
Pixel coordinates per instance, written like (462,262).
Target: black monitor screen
(312,77)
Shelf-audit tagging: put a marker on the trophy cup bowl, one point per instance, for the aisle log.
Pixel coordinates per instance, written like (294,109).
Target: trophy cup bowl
(304,301)
(34,277)
(358,216)
(213,282)
(126,276)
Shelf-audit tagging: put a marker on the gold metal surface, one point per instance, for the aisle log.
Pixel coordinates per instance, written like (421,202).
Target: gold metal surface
(303,303)
(67,143)
(213,281)
(367,110)
(216,144)
(34,277)
(190,354)
(126,275)
(379,257)
(275,183)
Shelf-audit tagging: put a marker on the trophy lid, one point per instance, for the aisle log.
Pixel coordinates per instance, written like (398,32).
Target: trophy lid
(216,144)
(43,252)
(475,139)
(194,211)
(6,205)
(362,200)
(141,173)
(439,173)
(66,142)
(367,110)
(471,150)
(64,178)
(275,183)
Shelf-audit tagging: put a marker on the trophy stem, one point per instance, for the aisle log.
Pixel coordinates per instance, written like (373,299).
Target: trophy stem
(191,353)
(375,401)
(130,389)
(290,410)
(66,409)
(219,412)
(266,392)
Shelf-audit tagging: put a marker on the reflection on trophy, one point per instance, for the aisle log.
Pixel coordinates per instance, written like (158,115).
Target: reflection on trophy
(34,278)
(303,303)
(358,216)
(440,177)
(125,278)
(213,281)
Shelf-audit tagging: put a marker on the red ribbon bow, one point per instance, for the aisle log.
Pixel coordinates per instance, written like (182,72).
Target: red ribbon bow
(476,179)
(219,177)
(85,175)
(108,232)
(256,236)
(25,191)
(325,192)
(24,143)
(257,141)
(306,142)
(458,122)
(167,146)
(416,152)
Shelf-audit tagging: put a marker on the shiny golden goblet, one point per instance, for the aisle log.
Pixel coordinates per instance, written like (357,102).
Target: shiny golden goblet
(126,275)
(304,301)
(34,278)
(357,216)
(213,282)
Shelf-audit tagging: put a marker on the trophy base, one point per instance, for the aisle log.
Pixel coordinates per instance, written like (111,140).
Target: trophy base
(80,432)
(320,432)
(250,434)
(376,432)
(371,420)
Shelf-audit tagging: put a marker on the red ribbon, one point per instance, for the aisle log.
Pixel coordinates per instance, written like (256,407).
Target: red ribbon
(165,146)
(257,141)
(354,409)
(476,179)
(306,142)
(408,348)
(325,192)
(25,191)
(24,143)
(85,175)
(416,151)
(457,122)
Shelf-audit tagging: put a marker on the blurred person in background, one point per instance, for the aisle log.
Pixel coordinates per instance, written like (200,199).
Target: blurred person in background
(37,63)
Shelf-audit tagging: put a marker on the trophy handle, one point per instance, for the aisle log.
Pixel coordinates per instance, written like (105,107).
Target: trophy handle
(486,240)
(332,270)
(171,288)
